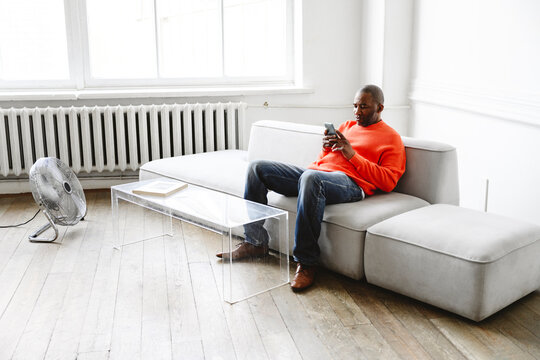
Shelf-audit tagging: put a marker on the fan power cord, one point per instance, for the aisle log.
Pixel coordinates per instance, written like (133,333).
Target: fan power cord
(24,223)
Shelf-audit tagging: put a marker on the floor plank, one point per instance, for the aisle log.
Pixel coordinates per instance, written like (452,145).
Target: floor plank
(10,238)
(127,325)
(391,329)
(299,324)
(427,335)
(15,266)
(18,311)
(94,355)
(373,345)
(496,332)
(478,341)
(216,336)
(516,333)
(244,330)
(66,336)
(271,328)
(532,301)
(156,334)
(5,203)
(186,338)
(527,318)
(273,331)
(98,323)
(341,302)
(330,329)
(38,331)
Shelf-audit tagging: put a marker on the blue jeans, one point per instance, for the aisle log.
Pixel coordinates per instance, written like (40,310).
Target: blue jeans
(315,189)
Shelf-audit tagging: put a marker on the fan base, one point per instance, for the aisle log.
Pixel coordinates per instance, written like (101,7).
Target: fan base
(35,236)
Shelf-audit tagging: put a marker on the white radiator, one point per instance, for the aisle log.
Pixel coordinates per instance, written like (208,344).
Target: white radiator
(114,138)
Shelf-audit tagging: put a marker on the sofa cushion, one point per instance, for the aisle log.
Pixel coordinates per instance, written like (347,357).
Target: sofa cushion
(219,170)
(469,262)
(357,216)
(459,232)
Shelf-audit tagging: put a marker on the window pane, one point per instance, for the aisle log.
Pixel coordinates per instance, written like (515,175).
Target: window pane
(33,42)
(190,38)
(121,39)
(255,37)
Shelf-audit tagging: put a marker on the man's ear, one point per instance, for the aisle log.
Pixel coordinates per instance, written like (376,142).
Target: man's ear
(380,107)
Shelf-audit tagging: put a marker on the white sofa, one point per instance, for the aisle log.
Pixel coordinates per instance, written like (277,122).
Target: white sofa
(414,240)
(431,177)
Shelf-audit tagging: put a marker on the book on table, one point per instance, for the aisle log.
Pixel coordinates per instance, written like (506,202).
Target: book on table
(160,188)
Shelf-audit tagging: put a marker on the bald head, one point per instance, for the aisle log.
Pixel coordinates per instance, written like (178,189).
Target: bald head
(375,91)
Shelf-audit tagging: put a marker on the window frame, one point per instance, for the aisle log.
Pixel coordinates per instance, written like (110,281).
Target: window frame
(77,43)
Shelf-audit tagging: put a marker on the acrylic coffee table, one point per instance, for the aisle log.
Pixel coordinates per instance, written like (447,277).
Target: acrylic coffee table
(226,216)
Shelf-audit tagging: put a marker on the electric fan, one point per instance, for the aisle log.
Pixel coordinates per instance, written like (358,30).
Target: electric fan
(58,193)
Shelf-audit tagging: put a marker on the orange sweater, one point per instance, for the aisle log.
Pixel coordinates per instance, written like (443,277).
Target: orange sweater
(378,163)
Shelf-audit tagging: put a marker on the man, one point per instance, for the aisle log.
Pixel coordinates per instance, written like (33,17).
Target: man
(363,156)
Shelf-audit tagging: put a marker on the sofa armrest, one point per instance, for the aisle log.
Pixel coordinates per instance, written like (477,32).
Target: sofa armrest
(431,171)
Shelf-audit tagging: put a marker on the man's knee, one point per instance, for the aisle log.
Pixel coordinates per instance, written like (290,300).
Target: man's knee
(310,176)
(256,168)
(309,179)
(255,185)
(252,165)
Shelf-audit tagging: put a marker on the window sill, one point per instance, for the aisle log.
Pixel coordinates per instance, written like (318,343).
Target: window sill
(129,93)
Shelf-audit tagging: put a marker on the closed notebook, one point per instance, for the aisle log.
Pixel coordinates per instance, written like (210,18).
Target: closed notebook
(160,188)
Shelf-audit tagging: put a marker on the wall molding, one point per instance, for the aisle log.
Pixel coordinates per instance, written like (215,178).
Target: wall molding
(18,186)
(503,104)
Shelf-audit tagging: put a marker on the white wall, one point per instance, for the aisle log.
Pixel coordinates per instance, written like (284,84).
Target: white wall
(386,44)
(476,85)
(332,56)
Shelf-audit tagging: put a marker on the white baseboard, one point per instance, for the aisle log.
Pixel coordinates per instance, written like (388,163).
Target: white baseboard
(23,186)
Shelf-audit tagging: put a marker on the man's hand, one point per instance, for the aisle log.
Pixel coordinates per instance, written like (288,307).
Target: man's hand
(342,144)
(328,141)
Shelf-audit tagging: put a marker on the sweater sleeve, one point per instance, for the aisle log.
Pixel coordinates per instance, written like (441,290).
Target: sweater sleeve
(322,153)
(386,173)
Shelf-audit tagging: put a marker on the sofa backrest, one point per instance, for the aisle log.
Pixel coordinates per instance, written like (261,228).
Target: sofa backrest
(291,143)
(431,172)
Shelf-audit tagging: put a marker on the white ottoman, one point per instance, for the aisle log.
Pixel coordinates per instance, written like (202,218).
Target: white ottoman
(461,260)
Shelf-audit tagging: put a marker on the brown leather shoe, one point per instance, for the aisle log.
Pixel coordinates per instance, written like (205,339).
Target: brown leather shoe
(303,278)
(245,250)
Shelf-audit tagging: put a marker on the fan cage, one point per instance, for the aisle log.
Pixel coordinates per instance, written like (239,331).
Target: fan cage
(57,191)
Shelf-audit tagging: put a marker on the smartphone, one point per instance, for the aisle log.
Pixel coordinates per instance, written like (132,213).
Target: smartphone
(330,128)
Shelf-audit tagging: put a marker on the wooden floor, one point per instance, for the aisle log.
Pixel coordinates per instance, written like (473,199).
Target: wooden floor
(81,299)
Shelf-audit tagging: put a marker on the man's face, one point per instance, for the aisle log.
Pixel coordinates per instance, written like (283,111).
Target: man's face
(366,111)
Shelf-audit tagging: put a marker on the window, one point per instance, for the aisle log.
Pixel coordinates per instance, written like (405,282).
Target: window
(121,43)
(33,40)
